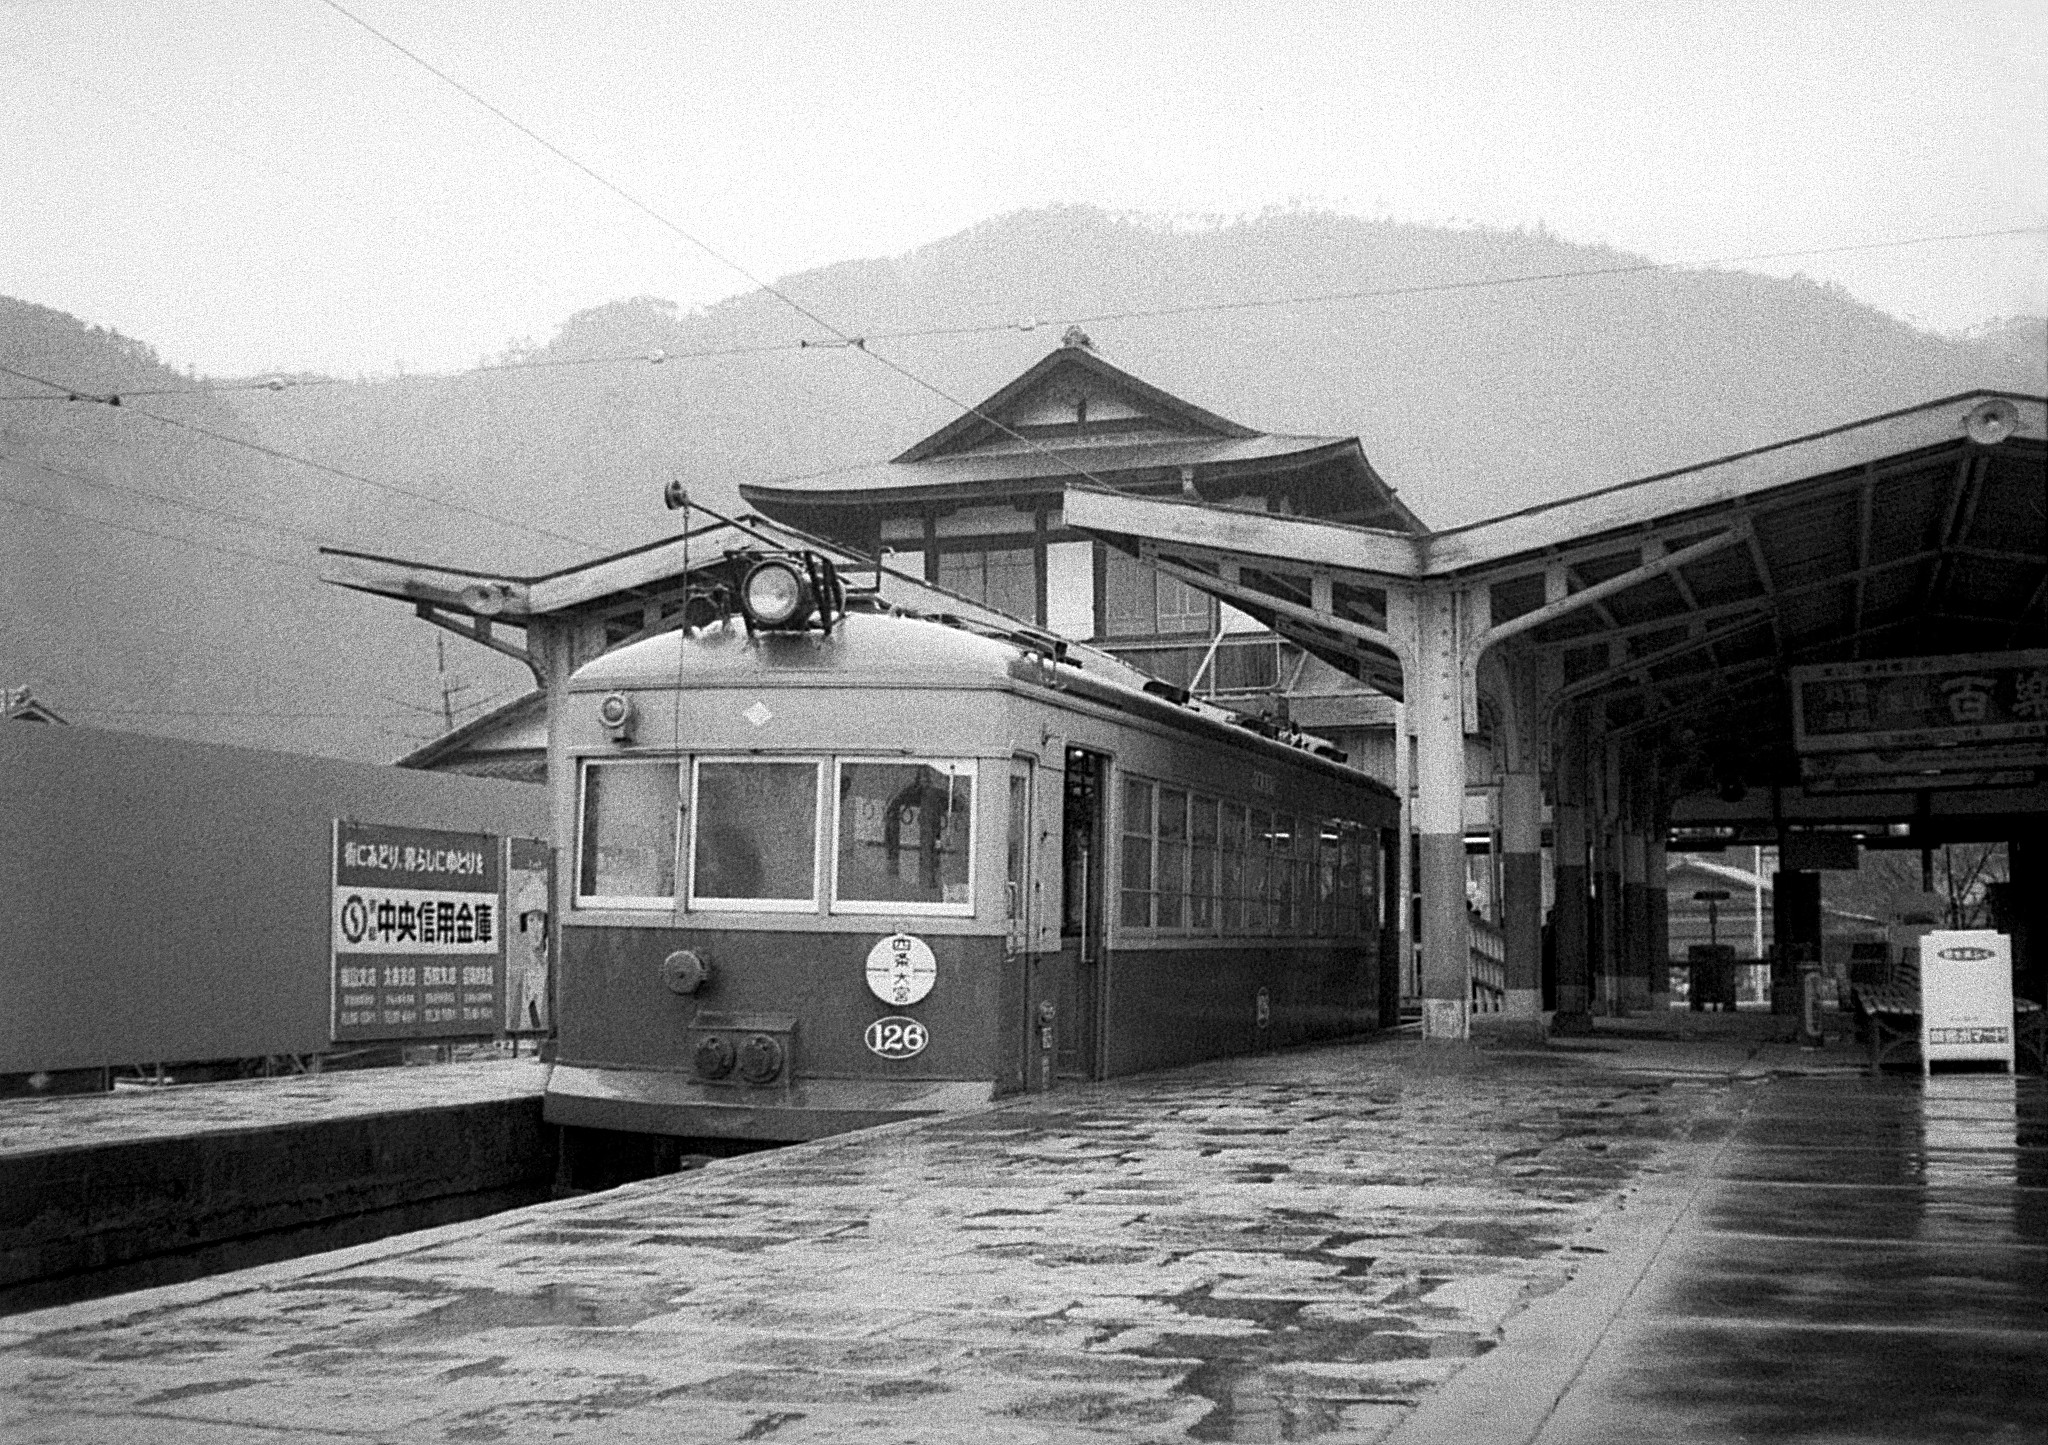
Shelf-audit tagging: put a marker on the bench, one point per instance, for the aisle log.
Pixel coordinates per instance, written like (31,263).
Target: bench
(1888,1021)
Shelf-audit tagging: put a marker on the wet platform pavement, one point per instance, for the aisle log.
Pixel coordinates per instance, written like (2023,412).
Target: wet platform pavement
(140,1115)
(1636,1237)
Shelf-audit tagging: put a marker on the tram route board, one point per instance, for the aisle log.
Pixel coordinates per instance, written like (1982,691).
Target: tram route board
(418,931)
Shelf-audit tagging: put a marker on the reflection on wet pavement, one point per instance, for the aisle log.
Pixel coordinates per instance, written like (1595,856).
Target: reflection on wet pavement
(1869,1264)
(1292,1247)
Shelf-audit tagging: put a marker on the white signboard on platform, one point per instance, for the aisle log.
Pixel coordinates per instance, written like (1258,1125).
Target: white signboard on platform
(1965,996)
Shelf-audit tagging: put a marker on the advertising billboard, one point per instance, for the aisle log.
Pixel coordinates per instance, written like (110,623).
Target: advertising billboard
(1965,997)
(418,930)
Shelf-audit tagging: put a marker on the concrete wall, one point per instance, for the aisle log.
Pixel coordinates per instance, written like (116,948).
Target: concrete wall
(164,900)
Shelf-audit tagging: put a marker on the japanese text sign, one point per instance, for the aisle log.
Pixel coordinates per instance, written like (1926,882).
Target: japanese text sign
(418,932)
(1966,996)
(1905,702)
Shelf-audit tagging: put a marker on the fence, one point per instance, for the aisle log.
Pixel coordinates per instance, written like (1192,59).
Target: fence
(170,901)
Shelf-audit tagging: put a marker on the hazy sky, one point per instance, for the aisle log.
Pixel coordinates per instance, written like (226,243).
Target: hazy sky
(259,184)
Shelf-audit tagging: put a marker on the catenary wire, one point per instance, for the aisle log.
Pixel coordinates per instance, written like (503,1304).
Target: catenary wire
(66,512)
(658,355)
(224,713)
(113,399)
(713,252)
(240,519)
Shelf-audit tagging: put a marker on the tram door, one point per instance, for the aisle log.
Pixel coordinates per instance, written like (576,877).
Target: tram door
(1079,995)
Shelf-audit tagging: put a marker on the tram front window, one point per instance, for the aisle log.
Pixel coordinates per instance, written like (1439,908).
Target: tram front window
(627,852)
(755,838)
(905,836)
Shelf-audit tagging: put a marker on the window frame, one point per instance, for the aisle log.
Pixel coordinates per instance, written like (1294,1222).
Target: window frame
(688,884)
(967,767)
(1150,836)
(638,902)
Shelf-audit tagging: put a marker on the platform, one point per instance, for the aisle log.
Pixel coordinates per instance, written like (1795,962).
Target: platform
(105,1192)
(1687,1237)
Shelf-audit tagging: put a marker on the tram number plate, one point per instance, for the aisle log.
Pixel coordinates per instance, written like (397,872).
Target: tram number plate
(897,1038)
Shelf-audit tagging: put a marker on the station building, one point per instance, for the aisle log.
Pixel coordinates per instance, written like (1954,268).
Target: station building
(1831,643)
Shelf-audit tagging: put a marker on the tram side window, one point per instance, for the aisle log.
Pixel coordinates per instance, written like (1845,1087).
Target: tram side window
(1347,882)
(1173,857)
(1137,880)
(626,850)
(1329,855)
(905,837)
(754,844)
(1258,858)
(1233,882)
(1281,895)
(1202,875)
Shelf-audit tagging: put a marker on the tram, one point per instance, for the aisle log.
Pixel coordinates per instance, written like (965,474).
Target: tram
(835,865)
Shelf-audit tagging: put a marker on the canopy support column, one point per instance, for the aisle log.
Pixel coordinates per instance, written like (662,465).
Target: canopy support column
(1437,713)
(1521,921)
(1657,919)
(1571,887)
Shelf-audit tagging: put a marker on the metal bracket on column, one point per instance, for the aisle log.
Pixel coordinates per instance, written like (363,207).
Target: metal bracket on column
(1486,636)
(1234,591)
(476,629)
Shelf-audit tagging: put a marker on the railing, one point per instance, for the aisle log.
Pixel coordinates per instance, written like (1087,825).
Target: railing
(1489,965)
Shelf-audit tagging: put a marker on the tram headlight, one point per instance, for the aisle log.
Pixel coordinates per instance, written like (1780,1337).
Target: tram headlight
(617,714)
(775,593)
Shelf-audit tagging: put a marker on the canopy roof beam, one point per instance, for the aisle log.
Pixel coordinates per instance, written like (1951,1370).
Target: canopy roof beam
(1640,666)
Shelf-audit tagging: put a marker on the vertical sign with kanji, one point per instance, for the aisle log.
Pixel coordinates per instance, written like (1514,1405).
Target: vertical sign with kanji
(418,928)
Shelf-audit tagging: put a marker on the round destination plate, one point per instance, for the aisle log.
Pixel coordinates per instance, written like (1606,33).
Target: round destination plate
(897,1038)
(901,970)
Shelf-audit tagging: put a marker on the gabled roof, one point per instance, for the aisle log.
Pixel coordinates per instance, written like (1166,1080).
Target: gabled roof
(518,726)
(1073,368)
(1074,418)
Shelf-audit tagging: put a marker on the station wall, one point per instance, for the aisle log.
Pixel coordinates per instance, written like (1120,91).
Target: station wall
(167,901)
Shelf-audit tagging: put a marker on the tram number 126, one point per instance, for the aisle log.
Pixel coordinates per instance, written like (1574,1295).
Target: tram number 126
(897,1037)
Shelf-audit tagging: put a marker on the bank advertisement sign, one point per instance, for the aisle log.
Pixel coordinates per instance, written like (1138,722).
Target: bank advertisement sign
(1966,996)
(419,933)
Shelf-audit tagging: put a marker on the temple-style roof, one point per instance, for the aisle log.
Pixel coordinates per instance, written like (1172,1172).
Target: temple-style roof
(1074,417)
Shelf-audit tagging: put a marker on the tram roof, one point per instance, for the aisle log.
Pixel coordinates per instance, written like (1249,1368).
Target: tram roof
(898,651)
(909,651)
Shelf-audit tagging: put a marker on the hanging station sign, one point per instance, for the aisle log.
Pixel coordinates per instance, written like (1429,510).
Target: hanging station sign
(1969,720)
(418,933)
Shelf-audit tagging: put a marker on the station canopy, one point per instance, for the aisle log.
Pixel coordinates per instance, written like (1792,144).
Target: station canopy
(1684,610)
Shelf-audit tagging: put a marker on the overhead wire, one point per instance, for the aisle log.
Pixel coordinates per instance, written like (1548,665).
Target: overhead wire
(133,106)
(68,513)
(844,337)
(283,382)
(114,400)
(224,712)
(857,342)
(241,519)
(658,355)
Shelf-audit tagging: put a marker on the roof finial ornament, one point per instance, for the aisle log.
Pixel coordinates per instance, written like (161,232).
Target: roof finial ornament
(1075,336)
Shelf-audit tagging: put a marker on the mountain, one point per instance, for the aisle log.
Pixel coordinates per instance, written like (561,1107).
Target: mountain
(1474,391)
